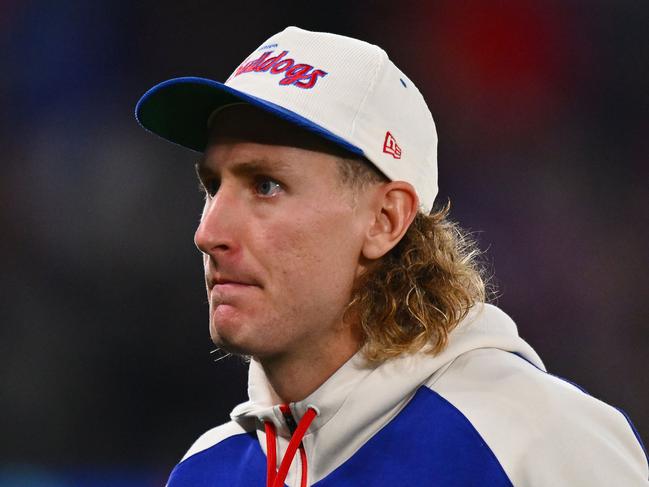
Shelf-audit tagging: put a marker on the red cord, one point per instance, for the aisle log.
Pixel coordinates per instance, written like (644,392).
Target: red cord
(305,470)
(276,479)
(271,453)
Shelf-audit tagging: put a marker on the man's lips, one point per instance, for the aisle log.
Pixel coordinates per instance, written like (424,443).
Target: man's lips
(230,285)
(225,282)
(225,292)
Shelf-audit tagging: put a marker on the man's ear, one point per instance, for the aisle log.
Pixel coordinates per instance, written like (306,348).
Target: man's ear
(395,208)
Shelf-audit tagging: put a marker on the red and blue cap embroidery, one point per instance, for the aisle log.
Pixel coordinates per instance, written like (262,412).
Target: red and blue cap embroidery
(296,74)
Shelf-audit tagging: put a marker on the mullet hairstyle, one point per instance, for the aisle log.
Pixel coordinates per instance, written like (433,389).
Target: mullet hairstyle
(418,292)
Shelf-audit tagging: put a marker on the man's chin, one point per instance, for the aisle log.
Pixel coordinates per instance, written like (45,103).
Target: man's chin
(232,350)
(242,349)
(227,330)
(234,345)
(227,345)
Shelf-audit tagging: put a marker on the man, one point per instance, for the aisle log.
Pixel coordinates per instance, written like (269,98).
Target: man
(373,358)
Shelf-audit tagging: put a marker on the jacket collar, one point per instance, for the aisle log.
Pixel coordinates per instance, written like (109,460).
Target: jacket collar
(357,388)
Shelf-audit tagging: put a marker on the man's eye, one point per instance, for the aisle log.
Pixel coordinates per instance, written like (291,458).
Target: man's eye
(267,187)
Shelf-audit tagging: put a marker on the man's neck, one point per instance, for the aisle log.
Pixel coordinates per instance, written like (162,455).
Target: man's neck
(294,377)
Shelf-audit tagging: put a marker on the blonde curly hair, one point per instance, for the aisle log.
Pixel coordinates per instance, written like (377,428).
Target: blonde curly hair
(418,292)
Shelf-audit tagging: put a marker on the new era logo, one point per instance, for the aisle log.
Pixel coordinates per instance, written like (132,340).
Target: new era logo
(391,147)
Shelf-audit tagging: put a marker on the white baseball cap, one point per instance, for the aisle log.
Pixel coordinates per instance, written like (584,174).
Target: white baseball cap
(343,89)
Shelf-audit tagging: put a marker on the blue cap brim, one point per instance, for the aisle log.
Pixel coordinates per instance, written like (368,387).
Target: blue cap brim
(178,110)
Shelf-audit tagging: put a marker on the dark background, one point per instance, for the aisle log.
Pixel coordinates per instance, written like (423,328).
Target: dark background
(106,376)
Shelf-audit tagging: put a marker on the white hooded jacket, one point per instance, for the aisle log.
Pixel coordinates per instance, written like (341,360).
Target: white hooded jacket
(484,412)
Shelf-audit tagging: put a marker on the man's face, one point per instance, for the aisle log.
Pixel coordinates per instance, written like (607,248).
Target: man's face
(281,237)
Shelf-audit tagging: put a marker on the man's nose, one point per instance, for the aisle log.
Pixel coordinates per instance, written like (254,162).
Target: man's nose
(216,230)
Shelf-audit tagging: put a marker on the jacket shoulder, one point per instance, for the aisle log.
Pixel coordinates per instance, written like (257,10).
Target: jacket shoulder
(214,436)
(543,429)
(225,455)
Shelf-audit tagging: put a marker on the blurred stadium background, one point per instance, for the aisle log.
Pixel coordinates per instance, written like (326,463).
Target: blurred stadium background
(542,110)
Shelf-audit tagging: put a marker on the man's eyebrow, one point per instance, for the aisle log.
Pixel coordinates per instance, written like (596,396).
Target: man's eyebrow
(244,167)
